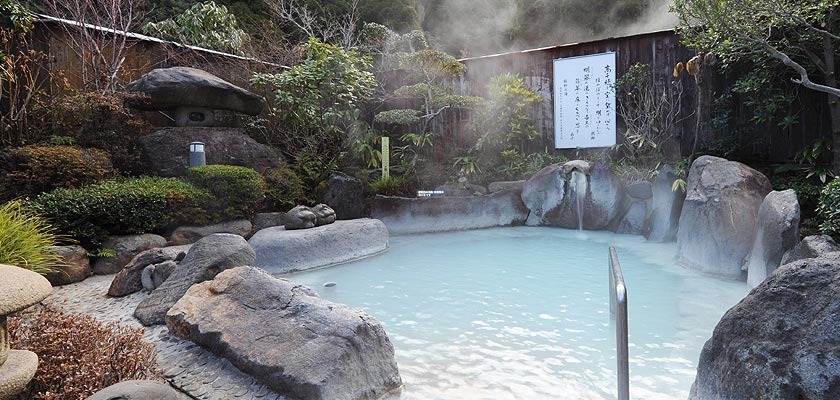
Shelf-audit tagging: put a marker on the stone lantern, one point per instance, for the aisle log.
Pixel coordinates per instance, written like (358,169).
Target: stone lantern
(19,289)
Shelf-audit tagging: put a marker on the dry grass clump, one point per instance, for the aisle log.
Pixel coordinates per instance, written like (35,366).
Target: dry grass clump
(79,355)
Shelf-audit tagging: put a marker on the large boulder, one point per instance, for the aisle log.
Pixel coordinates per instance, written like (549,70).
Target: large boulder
(777,230)
(206,258)
(75,265)
(811,247)
(780,342)
(666,208)
(280,251)
(165,152)
(556,193)
(718,217)
(346,195)
(178,87)
(128,280)
(191,234)
(126,247)
(641,190)
(139,390)
(287,337)
(268,220)
(461,188)
(437,214)
(633,221)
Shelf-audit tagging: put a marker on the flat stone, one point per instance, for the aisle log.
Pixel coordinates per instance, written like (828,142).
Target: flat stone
(281,251)
(139,390)
(207,257)
(438,214)
(21,288)
(312,349)
(191,234)
(176,87)
(17,371)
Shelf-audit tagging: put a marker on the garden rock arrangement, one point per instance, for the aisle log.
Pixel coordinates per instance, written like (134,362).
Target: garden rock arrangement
(19,289)
(777,231)
(193,91)
(190,234)
(438,214)
(126,247)
(553,195)
(718,218)
(312,349)
(279,250)
(75,265)
(780,342)
(206,258)
(346,195)
(128,280)
(165,152)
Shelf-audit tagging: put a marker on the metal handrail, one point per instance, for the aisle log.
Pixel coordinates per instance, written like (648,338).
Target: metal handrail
(618,309)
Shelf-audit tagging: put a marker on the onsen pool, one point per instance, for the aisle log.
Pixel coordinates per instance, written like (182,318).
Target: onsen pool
(523,313)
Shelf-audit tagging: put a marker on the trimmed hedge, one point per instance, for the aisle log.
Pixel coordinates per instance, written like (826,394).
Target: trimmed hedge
(237,192)
(90,214)
(829,208)
(285,189)
(31,170)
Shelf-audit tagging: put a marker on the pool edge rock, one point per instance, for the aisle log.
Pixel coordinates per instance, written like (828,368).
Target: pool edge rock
(282,251)
(312,349)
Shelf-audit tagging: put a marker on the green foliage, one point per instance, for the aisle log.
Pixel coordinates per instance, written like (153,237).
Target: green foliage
(316,103)
(393,186)
(399,15)
(92,213)
(206,24)
(829,208)
(15,16)
(78,355)
(25,240)
(399,116)
(466,165)
(817,156)
(285,189)
(36,169)
(237,192)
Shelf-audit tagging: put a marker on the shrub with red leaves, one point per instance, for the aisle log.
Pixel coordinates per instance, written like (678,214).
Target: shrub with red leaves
(79,355)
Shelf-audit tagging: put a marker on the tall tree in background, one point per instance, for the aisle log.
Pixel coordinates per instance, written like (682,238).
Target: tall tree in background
(802,35)
(207,25)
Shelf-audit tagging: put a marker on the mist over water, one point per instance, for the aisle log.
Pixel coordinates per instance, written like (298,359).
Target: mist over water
(470,28)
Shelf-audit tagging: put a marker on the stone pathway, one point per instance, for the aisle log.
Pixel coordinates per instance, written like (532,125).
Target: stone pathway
(187,366)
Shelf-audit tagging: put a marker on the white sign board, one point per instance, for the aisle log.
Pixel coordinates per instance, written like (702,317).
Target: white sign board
(584,101)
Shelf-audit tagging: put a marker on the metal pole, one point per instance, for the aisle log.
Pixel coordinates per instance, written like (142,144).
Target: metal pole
(618,307)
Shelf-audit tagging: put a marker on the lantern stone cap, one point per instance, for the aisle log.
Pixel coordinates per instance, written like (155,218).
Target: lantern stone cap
(21,288)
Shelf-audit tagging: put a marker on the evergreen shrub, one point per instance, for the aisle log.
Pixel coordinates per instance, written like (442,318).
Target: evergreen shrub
(236,192)
(31,170)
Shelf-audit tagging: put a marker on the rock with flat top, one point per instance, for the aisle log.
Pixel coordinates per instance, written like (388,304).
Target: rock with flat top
(811,247)
(139,390)
(287,337)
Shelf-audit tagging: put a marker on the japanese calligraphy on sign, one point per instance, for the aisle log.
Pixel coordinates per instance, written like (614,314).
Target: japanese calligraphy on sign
(584,101)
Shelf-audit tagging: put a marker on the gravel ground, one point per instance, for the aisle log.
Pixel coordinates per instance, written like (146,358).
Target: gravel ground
(187,366)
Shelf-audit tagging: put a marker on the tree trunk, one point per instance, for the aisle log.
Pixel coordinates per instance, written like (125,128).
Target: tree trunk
(834,109)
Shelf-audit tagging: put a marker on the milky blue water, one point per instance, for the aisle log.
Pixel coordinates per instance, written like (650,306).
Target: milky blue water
(523,313)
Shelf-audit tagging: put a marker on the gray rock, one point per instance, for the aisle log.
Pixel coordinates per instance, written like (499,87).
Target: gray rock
(128,280)
(437,214)
(311,349)
(191,234)
(16,371)
(324,215)
(206,258)
(154,275)
(641,190)
(165,152)
(777,230)
(346,195)
(176,87)
(139,390)
(268,220)
(300,217)
(666,208)
(75,265)
(461,189)
(553,195)
(280,251)
(810,247)
(718,217)
(782,341)
(633,222)
(494,187)
(126,247)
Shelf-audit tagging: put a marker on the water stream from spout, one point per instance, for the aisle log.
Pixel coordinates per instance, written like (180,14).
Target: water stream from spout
(578,185)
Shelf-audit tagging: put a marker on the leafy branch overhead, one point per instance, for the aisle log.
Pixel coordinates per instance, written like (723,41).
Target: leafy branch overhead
(207,25)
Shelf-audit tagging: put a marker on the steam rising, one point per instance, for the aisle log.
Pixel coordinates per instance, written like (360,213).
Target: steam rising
(478,27)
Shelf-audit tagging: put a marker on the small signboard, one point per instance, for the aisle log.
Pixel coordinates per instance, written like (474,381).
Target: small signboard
(430,193)
(386,157)
(584,101)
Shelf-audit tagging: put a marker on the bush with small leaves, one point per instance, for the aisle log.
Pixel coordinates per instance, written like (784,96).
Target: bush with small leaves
(78,355)
(237,192)
(829,208)
(31,170)
(284,189)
